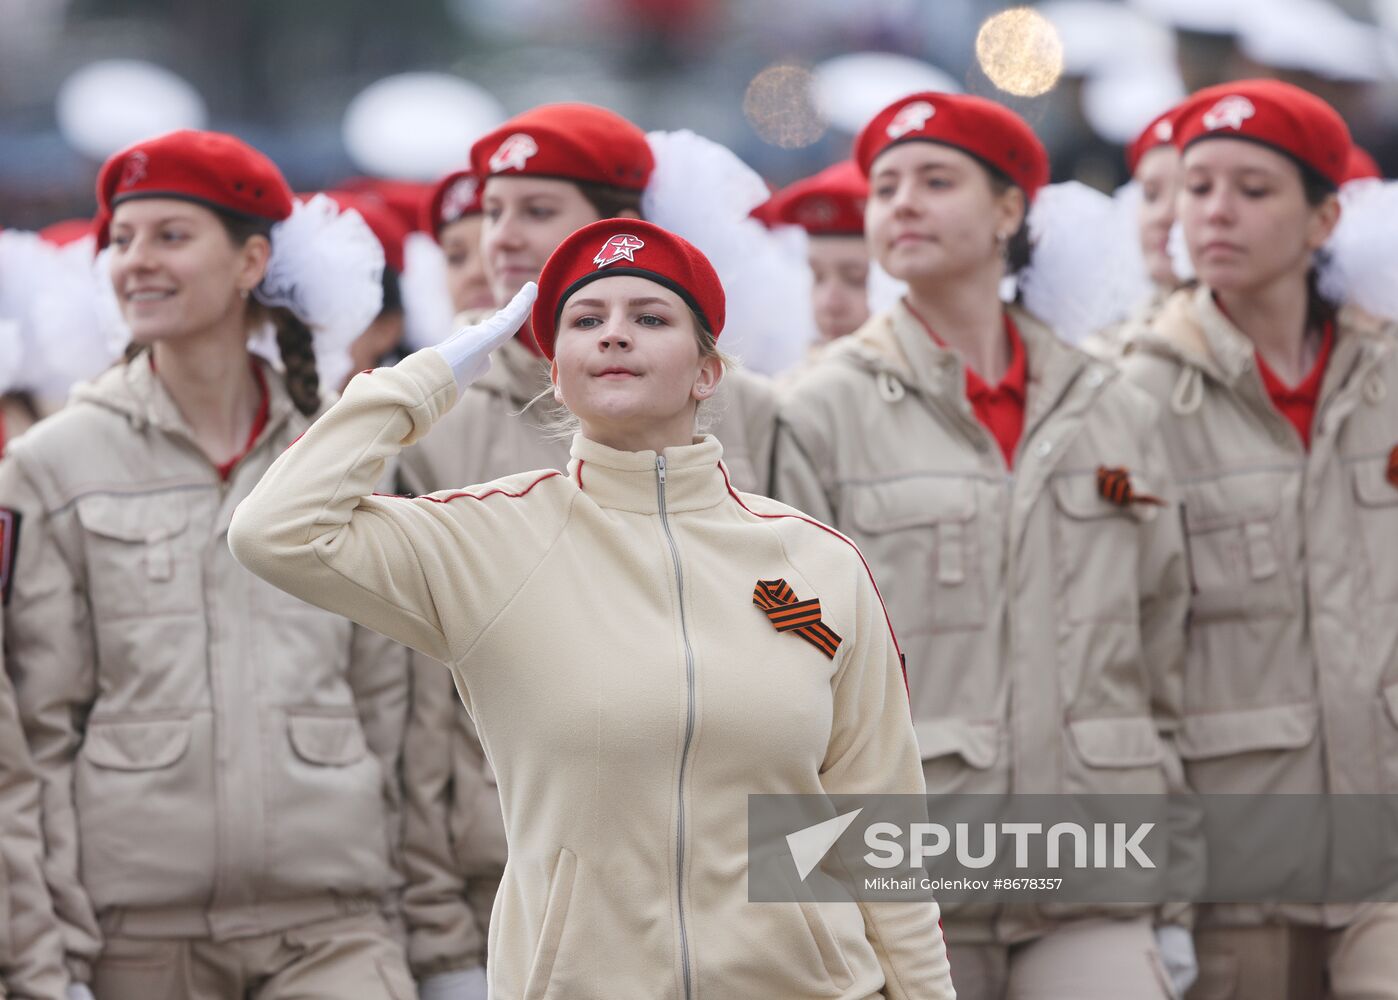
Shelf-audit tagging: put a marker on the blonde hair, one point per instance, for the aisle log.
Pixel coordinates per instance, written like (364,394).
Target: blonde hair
(560,423)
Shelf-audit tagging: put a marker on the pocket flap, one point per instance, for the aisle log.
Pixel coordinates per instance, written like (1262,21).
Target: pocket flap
(1371,485)
(1078,497)
(1219,734)
(977,743)
(136,746)
(1125,742)
(906,503)
(132,518)
(327,739)
(1390,697)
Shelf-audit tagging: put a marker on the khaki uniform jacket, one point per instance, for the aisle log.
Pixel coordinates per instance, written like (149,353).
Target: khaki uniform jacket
(601,630)
(218,760)
(1043,625)
(31,945)
(454,841)
(1291,679)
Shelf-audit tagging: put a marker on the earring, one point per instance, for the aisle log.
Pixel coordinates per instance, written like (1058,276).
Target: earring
(245,292)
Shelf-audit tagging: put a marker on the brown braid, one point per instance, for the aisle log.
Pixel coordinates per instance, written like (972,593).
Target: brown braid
(298,359)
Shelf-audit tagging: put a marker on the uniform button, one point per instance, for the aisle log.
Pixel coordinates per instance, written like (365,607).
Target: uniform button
(1043,448)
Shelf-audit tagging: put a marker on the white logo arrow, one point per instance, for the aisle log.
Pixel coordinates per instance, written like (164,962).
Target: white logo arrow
(810,845)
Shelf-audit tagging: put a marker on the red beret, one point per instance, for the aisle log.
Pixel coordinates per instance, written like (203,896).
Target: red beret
(829,204)
(1275,114)
(575,142)
(990,132)
(387,227)
(405,198)
(1361,165)
(625,246)
(456,196)
(60,234)
(210,168)
(1160,132)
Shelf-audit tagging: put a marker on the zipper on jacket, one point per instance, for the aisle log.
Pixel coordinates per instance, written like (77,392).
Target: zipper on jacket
(688,725)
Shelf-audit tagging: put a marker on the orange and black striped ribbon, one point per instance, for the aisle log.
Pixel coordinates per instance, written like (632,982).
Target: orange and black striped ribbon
(787,614)
(1115,487)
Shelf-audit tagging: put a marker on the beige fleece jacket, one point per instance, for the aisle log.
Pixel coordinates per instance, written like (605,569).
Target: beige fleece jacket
(600,627)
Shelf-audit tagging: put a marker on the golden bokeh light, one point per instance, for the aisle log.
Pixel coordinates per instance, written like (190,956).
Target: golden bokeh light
(780,105)
(1020,51)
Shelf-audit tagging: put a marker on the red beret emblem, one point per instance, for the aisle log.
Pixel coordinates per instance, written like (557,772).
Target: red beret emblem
(619,247)
(458,199)
(513,153)
(911,118)
(133,171)
(1164,130)
(1230,112)
(816,212)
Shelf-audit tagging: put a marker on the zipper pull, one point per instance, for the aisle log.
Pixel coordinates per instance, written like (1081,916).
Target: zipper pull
(660,468)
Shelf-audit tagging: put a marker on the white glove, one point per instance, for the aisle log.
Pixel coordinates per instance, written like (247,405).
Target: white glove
(467,984)
(468,349)
(1176,945)
(79,991)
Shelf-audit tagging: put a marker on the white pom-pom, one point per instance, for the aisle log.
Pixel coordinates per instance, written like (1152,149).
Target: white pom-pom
(884,289)
(427,307)
(1178,249)
(327,268)
(1362,264)
(115,333)
(50,293)
(701,190)
(1083,277)
(11,354)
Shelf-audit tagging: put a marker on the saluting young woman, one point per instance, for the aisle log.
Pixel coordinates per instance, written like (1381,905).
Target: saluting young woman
(603,628)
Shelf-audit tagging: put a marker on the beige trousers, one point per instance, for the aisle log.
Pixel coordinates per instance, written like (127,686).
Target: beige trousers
(1100,959)
(335,959)
(1289,962)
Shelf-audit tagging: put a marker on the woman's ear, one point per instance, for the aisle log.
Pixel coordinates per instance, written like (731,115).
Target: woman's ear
(252,262)
(707,381)
(1324,218)
(553,380)
(1011,209)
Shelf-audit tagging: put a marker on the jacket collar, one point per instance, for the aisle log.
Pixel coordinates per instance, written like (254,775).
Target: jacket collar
(134,390)
(1192,330)
(695,477)
(897,343)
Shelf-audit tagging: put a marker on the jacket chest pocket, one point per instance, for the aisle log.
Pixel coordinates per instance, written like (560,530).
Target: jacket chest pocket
(1095,546)
(141,558)
(1237,550)
(1376,510)
(921,536)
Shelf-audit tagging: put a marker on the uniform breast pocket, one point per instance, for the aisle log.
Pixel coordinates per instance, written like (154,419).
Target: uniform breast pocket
(1237,554)
(140,559)
(1095,549)
(1376,507)
(920,537)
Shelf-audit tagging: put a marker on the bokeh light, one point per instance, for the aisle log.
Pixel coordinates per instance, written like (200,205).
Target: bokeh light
(780,105)
(1020,51)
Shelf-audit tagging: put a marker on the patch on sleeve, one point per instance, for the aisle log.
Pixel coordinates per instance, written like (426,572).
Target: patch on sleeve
(9,548)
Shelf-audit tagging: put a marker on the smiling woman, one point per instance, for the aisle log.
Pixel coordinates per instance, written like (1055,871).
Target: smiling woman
(603,629)
(215,757)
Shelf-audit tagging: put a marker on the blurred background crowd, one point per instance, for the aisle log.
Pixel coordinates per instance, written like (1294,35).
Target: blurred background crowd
(335,88)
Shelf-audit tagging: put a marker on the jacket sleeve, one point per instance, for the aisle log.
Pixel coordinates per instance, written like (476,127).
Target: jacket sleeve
(873,750)
(31,944)
(442,780)
(378,676)
(49,655)
(802,471)
(430,572)
(1164,608)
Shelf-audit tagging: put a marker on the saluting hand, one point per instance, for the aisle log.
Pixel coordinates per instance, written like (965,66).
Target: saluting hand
(468,349)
